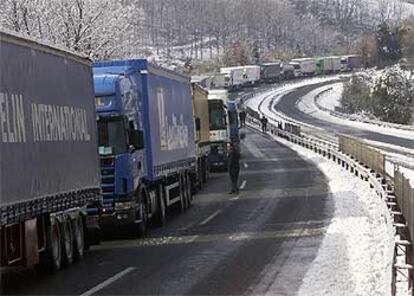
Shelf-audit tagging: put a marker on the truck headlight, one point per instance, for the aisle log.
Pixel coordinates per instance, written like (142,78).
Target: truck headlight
(122,206)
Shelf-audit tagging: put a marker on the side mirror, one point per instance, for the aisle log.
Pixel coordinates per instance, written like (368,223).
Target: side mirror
(136,138)
(198,124)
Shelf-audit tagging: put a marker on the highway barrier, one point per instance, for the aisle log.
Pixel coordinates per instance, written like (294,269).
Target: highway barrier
(363,153)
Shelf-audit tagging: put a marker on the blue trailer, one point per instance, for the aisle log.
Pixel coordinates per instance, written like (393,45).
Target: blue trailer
(146,137)
(49,171)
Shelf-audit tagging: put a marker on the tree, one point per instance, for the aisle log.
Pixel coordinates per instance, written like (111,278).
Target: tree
(388,44)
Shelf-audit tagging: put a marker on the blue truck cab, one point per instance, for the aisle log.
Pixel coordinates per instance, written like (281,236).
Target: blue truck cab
(146,141)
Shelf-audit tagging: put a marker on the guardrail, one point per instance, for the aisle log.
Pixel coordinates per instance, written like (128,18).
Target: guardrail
(368,164)
(363,153)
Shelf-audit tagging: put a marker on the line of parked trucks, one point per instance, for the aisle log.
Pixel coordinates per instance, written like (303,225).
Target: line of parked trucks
(84,147)
(234,78)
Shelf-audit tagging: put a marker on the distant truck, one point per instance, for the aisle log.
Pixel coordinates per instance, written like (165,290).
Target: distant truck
(202,134)
(304,67)
(328,65)
(350,63)
(288,71)
(49,171)
(219,129)
(146,143)
(270,72)
(233,78)
(240,76)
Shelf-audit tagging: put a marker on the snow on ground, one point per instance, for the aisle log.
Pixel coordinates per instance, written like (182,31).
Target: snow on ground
(307,105)
(408,173)
(333,99)
(356,254)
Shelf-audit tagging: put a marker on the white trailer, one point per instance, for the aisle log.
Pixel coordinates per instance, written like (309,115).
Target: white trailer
(251,75)
(234,77)
(331,64)
(307,66)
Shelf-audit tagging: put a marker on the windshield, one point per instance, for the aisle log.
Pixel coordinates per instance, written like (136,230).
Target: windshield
(112,137)
(217,118)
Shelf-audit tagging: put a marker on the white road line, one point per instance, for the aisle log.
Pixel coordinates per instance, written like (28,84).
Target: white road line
(245,165)
(243,184)
(211,217)
(235,198)
(254,150)
(108,281)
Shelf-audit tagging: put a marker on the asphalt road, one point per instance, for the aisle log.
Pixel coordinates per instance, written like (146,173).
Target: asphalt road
(287,105)
(262,240)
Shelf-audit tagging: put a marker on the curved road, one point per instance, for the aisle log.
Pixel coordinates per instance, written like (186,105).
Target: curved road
(262,241)
(288,106)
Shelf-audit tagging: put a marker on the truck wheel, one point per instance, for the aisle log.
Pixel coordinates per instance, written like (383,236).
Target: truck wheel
(161,208)
(183,193)
(67,242)
(51,258)
(79,238)
(143,225)
(204,173)
(189,194)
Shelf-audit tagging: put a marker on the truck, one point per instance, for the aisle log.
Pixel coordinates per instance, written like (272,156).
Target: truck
(202,134)
(350,63)
(271,72)
(219,129)
(328,65)
(251,75)
(146,143)
(304,66)
(49,167)
(234,77)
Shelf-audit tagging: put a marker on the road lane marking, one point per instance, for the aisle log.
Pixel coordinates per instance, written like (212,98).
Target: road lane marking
(254,150)
(211,217)
(235,198)
(245,165)
(315,231)
(108,281)
(243,184)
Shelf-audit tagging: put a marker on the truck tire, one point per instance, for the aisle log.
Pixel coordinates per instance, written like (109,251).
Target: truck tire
(67,241)
(183,193)
(142,227)
(160,217)
(189,195)
(79,238)
(51,258)
(204,174)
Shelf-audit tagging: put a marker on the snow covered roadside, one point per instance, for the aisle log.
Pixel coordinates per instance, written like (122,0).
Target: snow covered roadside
(331,99)
(355,257)
(307,105)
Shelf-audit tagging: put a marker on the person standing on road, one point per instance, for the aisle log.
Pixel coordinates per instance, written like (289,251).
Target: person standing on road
(264,124)
(242,117)
(234,167)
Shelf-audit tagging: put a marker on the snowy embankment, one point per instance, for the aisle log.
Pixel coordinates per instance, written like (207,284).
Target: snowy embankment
(356,254)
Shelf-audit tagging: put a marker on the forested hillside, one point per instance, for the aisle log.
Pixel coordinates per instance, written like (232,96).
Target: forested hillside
(181,30)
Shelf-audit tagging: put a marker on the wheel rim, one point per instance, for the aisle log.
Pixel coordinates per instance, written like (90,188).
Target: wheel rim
(68,241)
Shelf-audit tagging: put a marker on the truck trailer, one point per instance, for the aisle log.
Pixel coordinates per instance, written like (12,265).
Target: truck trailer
(49,170)
(146,142)
(202,134)
(270,72)
(304,67)
(234,77)
(328,65)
